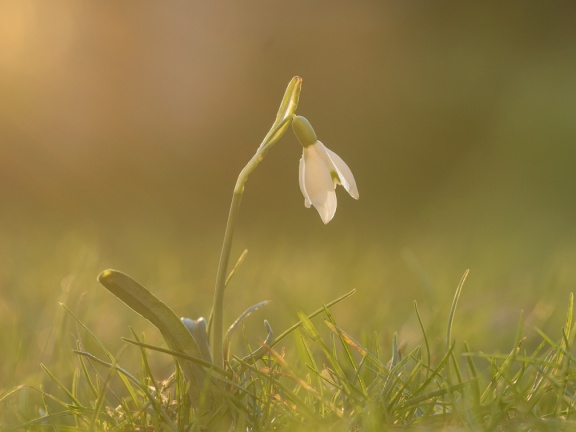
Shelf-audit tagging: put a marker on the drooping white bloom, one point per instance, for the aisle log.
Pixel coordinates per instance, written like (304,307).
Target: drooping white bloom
(321,170)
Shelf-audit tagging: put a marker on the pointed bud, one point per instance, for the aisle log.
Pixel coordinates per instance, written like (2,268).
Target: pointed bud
(304,131)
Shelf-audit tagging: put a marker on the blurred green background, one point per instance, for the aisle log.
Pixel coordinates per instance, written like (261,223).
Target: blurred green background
(123,126)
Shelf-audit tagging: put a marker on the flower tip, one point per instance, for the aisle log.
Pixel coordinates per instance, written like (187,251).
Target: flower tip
(328,210)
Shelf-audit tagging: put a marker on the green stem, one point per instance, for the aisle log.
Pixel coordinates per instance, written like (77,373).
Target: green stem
(221,279)
(225,253)
(283,119)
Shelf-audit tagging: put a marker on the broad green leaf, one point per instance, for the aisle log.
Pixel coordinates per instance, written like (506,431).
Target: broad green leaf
(177,337)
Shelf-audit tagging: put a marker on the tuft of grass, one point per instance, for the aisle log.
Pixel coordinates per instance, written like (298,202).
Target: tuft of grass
(315,376)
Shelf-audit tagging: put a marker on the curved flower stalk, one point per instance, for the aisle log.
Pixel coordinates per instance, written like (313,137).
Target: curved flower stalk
(321,170)
(282,122)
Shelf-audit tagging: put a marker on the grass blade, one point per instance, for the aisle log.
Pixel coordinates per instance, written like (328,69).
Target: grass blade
(453,309)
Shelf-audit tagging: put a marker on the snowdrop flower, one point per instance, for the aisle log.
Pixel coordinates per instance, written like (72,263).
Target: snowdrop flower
(321,170)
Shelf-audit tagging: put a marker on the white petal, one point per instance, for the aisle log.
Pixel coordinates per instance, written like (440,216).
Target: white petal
(307,202)
(318,184)
(344,173)
(328,211)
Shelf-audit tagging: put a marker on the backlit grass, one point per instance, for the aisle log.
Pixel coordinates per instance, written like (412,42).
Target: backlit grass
(434,367)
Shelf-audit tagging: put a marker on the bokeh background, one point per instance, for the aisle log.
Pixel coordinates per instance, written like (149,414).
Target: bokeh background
(123,126)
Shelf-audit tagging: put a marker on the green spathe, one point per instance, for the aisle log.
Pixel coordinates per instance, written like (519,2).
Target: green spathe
(304,131)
